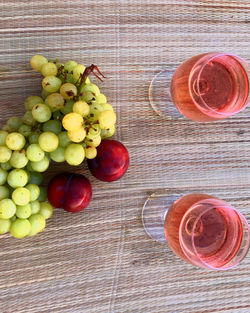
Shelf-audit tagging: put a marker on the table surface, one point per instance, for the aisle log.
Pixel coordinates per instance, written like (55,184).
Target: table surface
(101,260)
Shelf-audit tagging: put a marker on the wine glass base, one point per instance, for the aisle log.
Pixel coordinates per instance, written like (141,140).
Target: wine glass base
(160,96)
(154,213)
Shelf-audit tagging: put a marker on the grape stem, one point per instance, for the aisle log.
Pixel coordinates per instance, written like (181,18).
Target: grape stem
(90,69)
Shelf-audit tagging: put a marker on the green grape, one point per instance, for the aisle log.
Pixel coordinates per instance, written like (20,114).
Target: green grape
(15,141)
(92,88)
(57,115)
(69,66)
(25,130)
(35,153)
(106,119)
(94,142)
(105,133)
(72,121)
(35,206)
(107,106)
(49,69)
(77,135)
(23,211)
(33,137)
(31,101)
(38,223)
(4,226)
(68,107)
(17,178)
(74,154)
(100,99)
(29,167)
(37,62)
(46,210)
(64,139)
(41,112)
(5,154)
(58,155)
(40,166)
(43,194)
(6,166)
(48,141)
(68,91)
(52,126)
(3,135)
(28,118)
(7,208)
(95,109)
(81,107)
(7,128)
(45,94)
(34,191)
(90,152)
(51,83)
(18,159)
(3,176)
(95,130)
(77,71)
(20,228)
(55,101)
(14,123)
(21,196)
(35,178)
(4,192)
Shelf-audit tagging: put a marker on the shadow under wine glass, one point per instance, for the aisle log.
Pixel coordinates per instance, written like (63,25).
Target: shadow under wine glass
(206,87)
(201,229)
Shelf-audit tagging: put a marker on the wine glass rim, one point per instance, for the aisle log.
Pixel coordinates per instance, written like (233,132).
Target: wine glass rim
(213,56)
(222,204)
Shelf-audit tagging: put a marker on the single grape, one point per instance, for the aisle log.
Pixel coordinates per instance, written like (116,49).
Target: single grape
(5,154)
(21,196)
(95,130)
(31,101)
(74,154)
(41,112)
(40,166)
(46,210)
(43,194)
(35,206)
(3,135)
(90,152)
(18,159)
(35,178)
(20,228)
(28,118)
(69,66)
(14,122)
(51,83)
(77,135)
(68,91)
(94,142)
(107,106)
(81,107)
(38,223)
(72,121)
(64,139)
(17,178)
(23,211)
(90,88)
(106,119)
(95,109)
(55,101)
(49,69)
(6,166)
(7,128)
(4,225)
(4,192)
(48,141)
(15,141)
(25,130)
(52,126)
(100,99)
(58,155)
(105,133)
(33,137)
(34,191)
(35,153)
(37,62)
(3,176)
(58,115)
(7,208)
(68,107)
(77,71)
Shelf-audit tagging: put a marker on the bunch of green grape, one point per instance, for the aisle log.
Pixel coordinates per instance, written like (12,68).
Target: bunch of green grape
(66,123)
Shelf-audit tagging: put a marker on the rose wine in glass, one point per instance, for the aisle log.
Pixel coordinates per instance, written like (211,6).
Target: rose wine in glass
(206,87)
(203,230)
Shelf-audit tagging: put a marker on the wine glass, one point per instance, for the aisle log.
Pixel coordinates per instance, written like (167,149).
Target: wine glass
(201,229)
(206,87)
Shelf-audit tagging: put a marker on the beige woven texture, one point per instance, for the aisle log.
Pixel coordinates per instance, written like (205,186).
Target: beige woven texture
(101,260)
